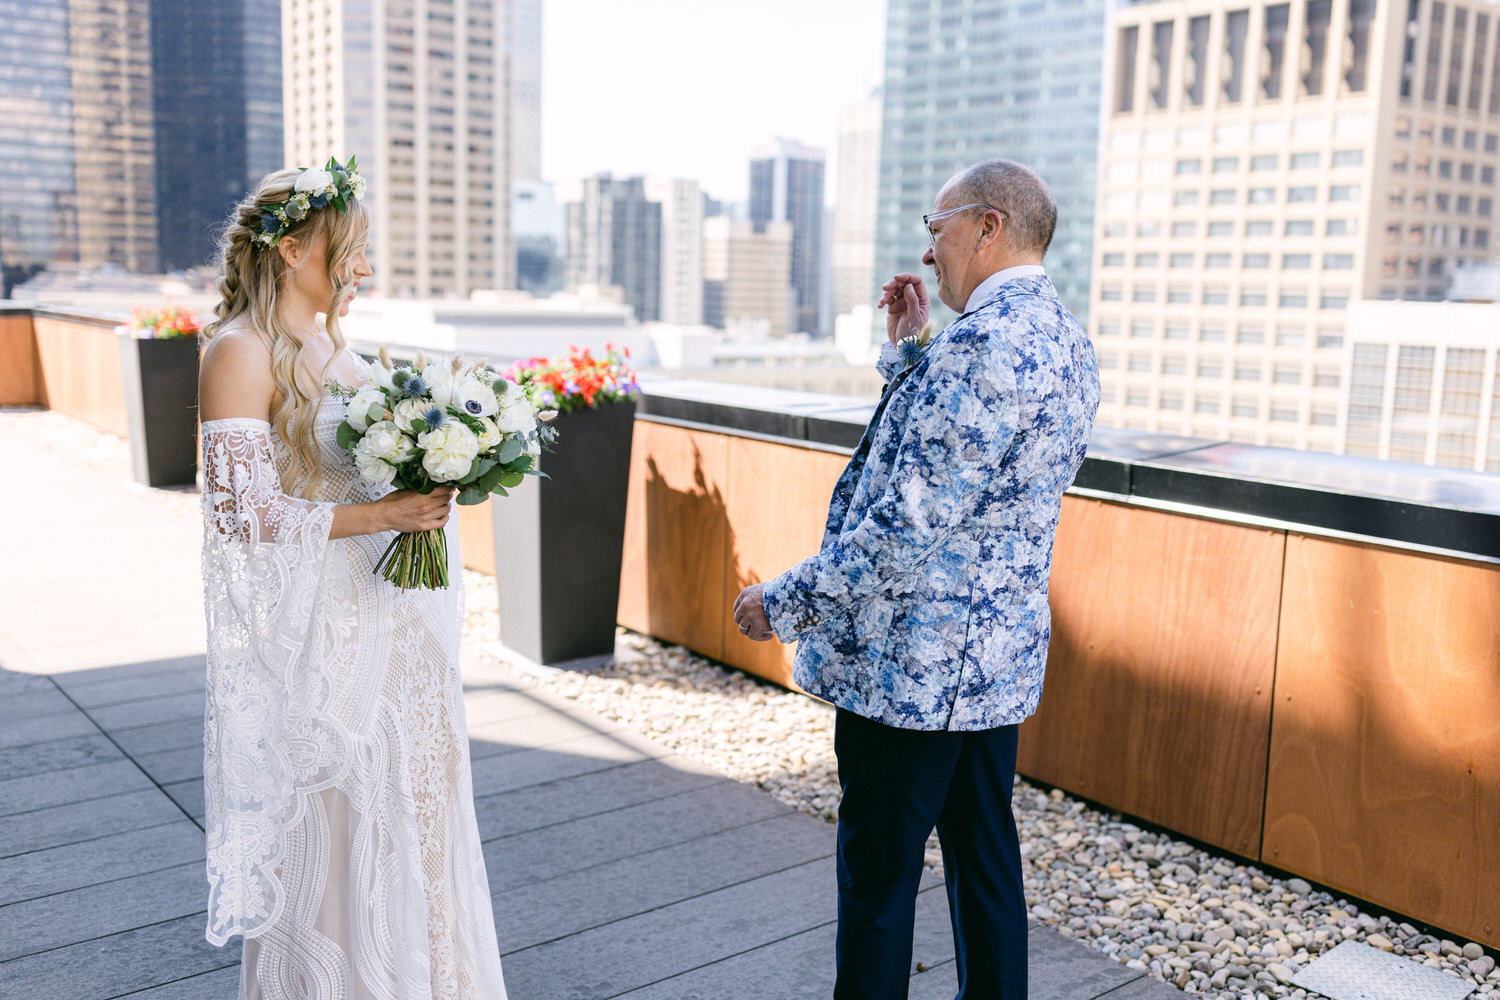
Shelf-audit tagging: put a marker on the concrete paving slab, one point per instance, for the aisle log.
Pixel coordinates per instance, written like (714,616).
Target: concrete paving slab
(1066,970)
(78,784)
(558,801)
(56,755)
(176,735)
(558,849)
(221,985)
(596,895)
(511,771)
(74,680)
(77,822)
(150,712)
(35,703)
(45,728)
(118,964)
(188,795)
(76,866)
(173,765)
(610,960)
(65,918)
(185,680)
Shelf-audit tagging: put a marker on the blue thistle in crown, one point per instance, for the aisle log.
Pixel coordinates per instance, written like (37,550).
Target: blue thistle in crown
(334,183)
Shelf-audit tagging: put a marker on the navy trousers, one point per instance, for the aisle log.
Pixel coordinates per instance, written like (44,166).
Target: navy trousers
(897,785)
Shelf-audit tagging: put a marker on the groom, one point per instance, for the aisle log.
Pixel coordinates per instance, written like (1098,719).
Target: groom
(924,616)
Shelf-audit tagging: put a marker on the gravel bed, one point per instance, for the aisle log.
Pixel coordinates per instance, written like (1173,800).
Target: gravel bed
(1206,923)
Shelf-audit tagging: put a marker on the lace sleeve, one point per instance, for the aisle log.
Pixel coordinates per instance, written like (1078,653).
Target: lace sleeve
(268,741)
(242,495)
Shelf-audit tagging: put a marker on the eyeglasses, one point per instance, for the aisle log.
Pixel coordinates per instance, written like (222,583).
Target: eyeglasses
(929,219)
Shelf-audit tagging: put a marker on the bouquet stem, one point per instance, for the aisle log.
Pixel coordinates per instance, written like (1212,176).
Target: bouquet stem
(416,559)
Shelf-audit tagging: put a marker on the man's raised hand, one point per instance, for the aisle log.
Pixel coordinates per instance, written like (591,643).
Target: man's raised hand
(904,298)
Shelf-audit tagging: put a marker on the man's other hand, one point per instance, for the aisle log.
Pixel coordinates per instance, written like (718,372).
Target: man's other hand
(750,614)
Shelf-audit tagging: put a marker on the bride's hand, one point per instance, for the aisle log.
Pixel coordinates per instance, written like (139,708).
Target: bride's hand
(408,510)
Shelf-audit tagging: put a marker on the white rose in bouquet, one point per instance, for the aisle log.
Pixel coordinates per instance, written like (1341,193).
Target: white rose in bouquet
(516,414)
(490,436)
(440,384)
(404,412)
(386,440)
(362,408)
(372,467)
(449,451)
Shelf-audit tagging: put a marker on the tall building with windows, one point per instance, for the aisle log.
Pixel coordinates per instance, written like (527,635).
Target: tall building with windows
(786,185)
(524,48)
(1264,165)
(216,85)
(744,273)
(641,235)
(1423,383)
(77,159)
(1018,79)
(419,91)
(852,240)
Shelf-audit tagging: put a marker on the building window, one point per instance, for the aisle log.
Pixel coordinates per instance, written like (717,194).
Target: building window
(1341,227)
(1215,260)
(1182,229)
(1273,49)
(1338,262)
(1348,157)
(1236,29)
(1173,364)
(1114,260)
(1140,363)
(1245,408)
(1343,192)
(1296,261)
(1325,377)
(1256,261)
(1161,59)
(1211,333)
(1197,54)
(1147,259)
(1177,331)
(1264,161)
(1262,195)
(1109,328)
(1217,230)
(1137,398)
(1111,293)
(1186,167)
(1226,164)
(1215,295)
(1334,299)
(1148,230)
(1259,227)
(1181,260)
(1253,296)
(1143,293)
(1292,298)
(1299,227)
(1171,401)
(1305,161)
(1142,330)
(1323,416)
(1285,374)
(1301,193)
(1210,367)
(1186,199)
(1330,339)
(1108,361)
(1179,294)
(1208,405)
(1284,412)
(1249,335)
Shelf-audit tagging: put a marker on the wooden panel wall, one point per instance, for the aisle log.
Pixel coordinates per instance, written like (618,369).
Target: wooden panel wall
(1158,692)
(79,372)
(476,537)
(776,508)
(1385,756)
(18,363)
(672,578)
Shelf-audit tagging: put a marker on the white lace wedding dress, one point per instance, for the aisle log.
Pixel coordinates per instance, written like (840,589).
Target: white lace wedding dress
(342,842)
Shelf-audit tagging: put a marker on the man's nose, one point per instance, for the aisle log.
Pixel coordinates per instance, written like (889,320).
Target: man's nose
(927,257)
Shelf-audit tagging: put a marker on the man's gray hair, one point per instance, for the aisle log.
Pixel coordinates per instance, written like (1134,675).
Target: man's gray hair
(1030,212)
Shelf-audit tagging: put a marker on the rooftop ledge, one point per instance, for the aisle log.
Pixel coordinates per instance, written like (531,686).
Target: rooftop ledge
(1426,508)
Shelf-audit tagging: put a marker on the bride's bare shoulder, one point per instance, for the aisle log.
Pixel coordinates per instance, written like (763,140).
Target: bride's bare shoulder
(235,377)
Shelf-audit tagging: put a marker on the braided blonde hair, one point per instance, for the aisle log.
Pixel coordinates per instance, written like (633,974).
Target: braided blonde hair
(251,280)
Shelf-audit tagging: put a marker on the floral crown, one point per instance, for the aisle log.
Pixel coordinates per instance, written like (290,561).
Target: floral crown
(334,184)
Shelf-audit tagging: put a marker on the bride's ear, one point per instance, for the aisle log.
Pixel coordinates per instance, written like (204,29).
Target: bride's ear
(291,251)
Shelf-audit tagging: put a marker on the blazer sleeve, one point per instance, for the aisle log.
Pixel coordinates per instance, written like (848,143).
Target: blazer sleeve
(963,418)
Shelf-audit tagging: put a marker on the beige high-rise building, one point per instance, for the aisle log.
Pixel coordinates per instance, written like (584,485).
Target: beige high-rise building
(745,268)
(681,248)
(1263,165)
(109,59)
(419,91)
(852,246)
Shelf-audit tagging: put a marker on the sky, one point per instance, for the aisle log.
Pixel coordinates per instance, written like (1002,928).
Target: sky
(687,88)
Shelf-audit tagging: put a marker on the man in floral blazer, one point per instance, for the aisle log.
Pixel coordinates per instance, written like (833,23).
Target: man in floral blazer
(924,615)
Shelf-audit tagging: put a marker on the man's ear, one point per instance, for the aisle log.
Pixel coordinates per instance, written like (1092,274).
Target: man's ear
(989,229)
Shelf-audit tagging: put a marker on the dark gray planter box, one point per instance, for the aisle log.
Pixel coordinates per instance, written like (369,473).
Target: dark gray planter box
(161,407)
(559,540)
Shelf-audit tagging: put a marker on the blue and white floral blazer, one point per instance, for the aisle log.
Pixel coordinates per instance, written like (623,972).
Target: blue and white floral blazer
(926,607)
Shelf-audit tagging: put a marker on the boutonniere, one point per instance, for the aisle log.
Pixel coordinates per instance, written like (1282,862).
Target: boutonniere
(912,347)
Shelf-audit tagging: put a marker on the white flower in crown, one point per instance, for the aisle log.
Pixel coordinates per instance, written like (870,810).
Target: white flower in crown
(315,180)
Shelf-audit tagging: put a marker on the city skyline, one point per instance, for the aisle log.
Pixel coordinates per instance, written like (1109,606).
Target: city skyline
(753,73)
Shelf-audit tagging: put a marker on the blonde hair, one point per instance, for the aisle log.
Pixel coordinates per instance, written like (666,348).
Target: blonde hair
(252,277)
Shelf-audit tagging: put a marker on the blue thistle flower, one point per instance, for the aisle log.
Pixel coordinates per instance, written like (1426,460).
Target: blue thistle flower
(435,418)
(318,200)
(415,386)
(269,223)
(911,351)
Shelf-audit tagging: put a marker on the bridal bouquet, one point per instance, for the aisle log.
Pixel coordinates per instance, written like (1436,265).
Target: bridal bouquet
(439,423)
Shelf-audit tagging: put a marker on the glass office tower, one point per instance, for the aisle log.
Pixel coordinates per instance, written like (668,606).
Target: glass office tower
(970,80)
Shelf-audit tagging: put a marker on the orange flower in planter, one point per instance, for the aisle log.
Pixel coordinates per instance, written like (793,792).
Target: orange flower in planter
(578,381)
(164,323)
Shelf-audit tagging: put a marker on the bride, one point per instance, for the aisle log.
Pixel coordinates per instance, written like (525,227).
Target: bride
(342,842)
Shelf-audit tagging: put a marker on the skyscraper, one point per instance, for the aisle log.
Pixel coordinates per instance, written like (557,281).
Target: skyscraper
(524,45)
(216,85)
(744,273)
(642,236)
(786,185)
(419,91)
(1265,164)
(852,245)
(991,78)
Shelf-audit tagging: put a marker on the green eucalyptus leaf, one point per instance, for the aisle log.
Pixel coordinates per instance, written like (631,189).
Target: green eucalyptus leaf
(510,450)
(348,437)
(419,426)
(512,479)
(471,495)
(490,478)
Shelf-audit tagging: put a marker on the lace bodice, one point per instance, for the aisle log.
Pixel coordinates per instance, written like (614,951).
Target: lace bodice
(341,836)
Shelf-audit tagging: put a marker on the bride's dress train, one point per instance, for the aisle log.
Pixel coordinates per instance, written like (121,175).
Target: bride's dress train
(342,842)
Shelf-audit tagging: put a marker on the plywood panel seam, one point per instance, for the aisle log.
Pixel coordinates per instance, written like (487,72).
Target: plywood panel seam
(1265,785)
